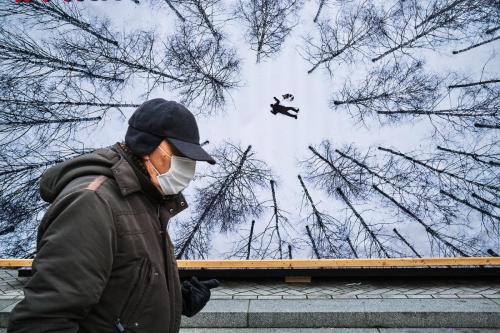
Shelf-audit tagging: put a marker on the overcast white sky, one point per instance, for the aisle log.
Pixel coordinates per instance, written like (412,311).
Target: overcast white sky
(278,140)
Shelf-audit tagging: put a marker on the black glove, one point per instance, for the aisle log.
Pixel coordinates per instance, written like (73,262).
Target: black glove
(195,294)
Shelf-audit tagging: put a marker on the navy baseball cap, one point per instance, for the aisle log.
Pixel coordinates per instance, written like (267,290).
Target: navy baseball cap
(159,119)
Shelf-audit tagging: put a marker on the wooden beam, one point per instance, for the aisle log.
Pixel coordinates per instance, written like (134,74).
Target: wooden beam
(314,263)
(297,279)
(338,263)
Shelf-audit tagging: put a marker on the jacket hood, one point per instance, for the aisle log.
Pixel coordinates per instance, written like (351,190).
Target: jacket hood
(54,179)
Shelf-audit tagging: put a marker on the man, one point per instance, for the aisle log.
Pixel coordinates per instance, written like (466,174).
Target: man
(105,261)
(277,108)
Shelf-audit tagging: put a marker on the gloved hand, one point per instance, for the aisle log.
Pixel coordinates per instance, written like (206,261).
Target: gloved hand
(195,294)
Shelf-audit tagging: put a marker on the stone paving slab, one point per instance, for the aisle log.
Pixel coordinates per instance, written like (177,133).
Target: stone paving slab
(220,313)
(352,313)
(374,313)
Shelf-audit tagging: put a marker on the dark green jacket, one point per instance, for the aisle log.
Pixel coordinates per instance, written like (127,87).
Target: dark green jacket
(104,261)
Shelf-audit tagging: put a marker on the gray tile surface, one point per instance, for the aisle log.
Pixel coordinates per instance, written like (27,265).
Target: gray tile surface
(220,313)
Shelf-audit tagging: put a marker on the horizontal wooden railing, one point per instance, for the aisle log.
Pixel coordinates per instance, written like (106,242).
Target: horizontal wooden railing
(312,263)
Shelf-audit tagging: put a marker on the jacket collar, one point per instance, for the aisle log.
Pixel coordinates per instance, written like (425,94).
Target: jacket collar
(130,180)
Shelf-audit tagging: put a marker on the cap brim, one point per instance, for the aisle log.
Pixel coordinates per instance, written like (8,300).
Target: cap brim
(141,143)
(191,150)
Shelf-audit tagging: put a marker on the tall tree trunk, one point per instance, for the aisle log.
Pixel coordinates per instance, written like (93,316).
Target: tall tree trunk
(472,84)
(431,231)
(365,226)
(250,239)
(50,103)
(406,242)
(175,11)
(497,205)
(439,171)
(55,121)
(363,99)
(352,247)
(403,45)
(440,12)
(321,4)
(227,181)
(313,243)
(276,218)
(205,17)
(475,157)
(492,253)
(59,14)
(447,113)
(476,45)
(492,126)
(468,204)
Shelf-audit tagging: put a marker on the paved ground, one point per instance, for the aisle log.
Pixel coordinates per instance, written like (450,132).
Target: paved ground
(327,289)
(378,303)
(11,287)
(333,330)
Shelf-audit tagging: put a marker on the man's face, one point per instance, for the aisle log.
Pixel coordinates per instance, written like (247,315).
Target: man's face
(160,158)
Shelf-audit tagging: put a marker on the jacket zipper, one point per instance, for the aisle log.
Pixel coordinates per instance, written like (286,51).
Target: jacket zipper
(164,246)
(118,323)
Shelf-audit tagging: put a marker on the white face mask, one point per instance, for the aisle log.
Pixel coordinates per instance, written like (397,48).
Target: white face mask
(179,175)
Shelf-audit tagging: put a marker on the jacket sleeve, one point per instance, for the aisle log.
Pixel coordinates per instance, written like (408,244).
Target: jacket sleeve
(71,268)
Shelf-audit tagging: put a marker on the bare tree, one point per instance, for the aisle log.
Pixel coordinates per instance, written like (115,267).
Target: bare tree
(415,188)
(486,183)
(373,238)
(244,246)
(478,156)
(333,175)
(390,87)
(26,59)
(20,201)
(454,175)
(277,233)
(175,10)
(227,199)
(51,15)
(207,68)
(437,235)
(406,242)
(353,32)
(470,105)
(200,68)
(268,23)
(44,112)
(328,234)
(138,56)
(422,24)
(205,15)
